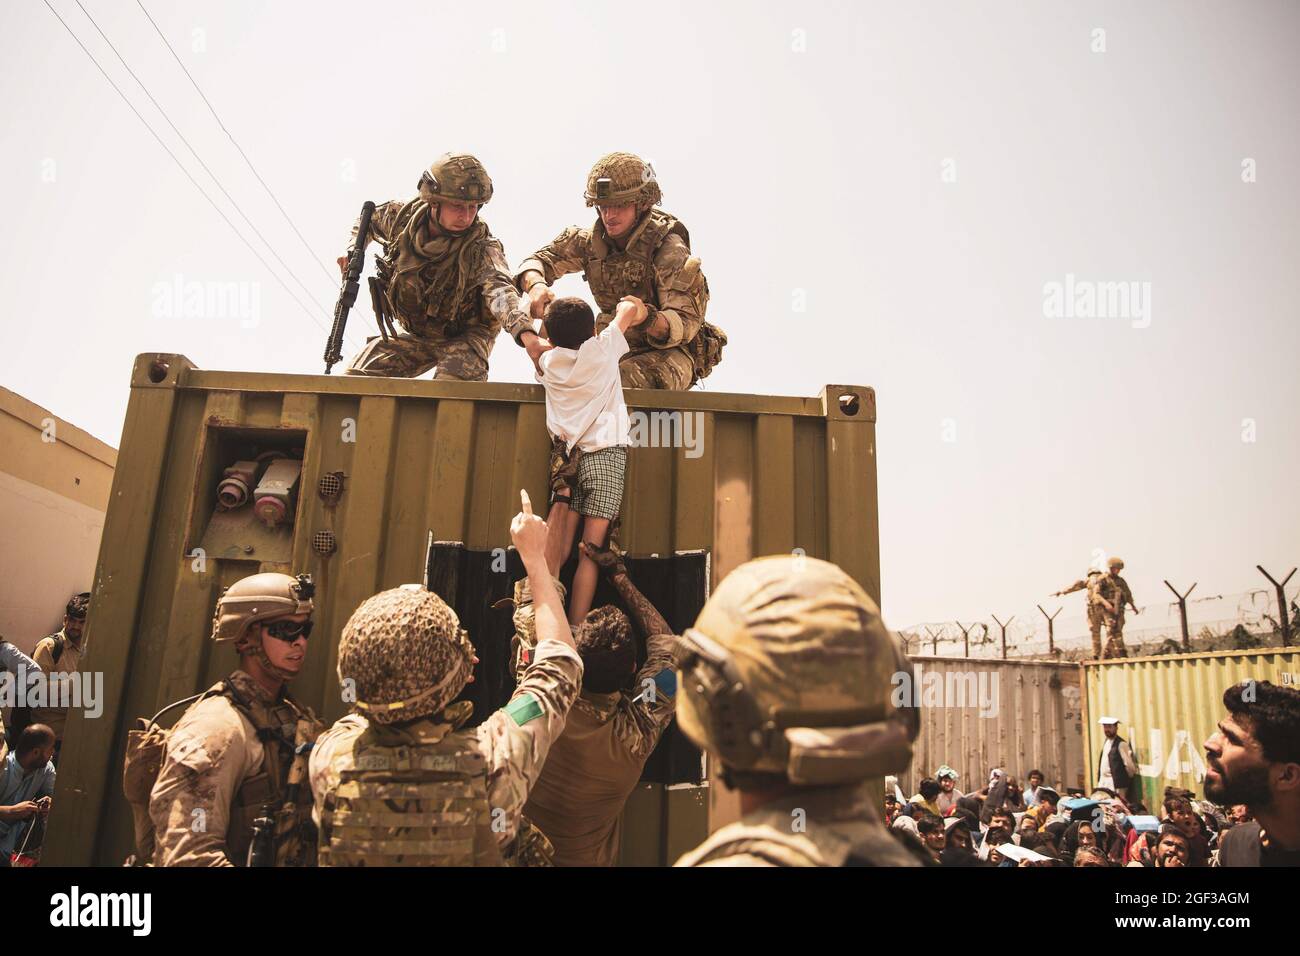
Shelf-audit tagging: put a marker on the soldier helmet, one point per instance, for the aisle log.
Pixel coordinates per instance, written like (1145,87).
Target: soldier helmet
(260,597)
(406,654)
(788,672)
(621,179)
(1115,563)
(456,177)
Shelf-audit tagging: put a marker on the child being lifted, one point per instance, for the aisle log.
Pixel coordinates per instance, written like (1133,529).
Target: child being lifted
(587,419)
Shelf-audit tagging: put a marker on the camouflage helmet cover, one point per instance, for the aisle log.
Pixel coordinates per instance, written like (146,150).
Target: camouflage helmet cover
(1115,563)
(809,648)
(620,179)
(260,597)
(456,177)
(406,654)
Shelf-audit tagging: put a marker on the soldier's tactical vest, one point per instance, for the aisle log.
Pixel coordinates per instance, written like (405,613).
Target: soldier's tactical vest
(613,273)
(410,796)
(857,843)
(423,300)
(279,789)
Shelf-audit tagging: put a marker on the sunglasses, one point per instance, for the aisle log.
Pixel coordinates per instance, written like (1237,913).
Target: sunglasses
(289,630)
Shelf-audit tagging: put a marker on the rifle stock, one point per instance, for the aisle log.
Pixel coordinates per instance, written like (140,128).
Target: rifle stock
(348,292)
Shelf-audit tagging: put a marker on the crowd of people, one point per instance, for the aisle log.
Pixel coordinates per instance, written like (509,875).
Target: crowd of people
(1249,816)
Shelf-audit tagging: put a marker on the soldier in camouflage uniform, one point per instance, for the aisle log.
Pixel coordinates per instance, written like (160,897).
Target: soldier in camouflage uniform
(614,725)
(787,681)
(239,752)
(443,278)
(1115,594)
(633,249)
(398,782)
(1095,610)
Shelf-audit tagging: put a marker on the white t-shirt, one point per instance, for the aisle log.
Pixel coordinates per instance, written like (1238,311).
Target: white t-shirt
(584,393)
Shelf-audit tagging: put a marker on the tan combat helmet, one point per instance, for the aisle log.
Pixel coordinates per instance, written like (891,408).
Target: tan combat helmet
(260,597)
(456,177)
(621,179)
(1115,564)
(405,653)
(789,671)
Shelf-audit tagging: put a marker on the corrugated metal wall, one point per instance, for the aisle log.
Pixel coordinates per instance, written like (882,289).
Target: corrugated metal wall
(1169,706)
(772,474)
(1019,715)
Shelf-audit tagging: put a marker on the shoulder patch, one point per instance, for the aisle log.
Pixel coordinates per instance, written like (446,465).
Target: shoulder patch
(524,708)
(666,681)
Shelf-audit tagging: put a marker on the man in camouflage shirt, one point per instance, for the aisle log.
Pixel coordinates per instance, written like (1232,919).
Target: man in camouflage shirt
(1095,609)
(398,782)
(1115,594)
(633,249)
(443,278)
(614,726)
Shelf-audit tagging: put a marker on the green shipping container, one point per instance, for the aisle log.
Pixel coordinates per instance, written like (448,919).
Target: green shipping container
(383,463)
(1169,706)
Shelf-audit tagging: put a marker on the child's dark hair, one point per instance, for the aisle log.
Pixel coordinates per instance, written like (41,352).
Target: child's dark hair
(569,322)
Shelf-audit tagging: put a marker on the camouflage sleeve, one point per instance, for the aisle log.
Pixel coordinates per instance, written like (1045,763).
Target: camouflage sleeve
(517,738)
(643,716)
(680,288)
(209,753)
(564,254)
(1076,586)
(381,223)
(501,297)
(322,767)
(1126,594)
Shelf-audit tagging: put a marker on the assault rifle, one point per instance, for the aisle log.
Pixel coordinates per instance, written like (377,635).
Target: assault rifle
(348,293)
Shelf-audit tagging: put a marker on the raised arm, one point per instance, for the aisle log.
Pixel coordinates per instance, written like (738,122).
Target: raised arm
(645,616)
(528,532)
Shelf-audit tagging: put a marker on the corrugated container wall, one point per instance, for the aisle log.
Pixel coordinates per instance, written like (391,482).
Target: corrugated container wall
(977,714)
(1168,706)
(757,475)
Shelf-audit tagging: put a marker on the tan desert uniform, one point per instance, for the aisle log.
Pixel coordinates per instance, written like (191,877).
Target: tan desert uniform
(1115,590)
(69,663)
(216,764)
(654,264)
(578,801)
(834,826)
(513,751)
(1096,611)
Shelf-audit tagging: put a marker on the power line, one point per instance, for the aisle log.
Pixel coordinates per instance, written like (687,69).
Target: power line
(232,139)
(199,159)
(182,168)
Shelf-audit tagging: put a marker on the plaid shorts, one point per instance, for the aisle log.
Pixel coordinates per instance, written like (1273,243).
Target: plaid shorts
(600,482)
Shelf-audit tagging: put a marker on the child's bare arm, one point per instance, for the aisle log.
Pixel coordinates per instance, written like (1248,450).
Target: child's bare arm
(630,311)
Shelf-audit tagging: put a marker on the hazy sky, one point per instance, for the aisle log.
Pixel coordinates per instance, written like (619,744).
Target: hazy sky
(917,176)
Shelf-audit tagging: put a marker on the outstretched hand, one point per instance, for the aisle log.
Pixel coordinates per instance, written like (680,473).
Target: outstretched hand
(609,559)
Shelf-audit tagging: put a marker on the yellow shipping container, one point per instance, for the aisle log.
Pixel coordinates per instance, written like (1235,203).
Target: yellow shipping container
(371,467)
(1169,706)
